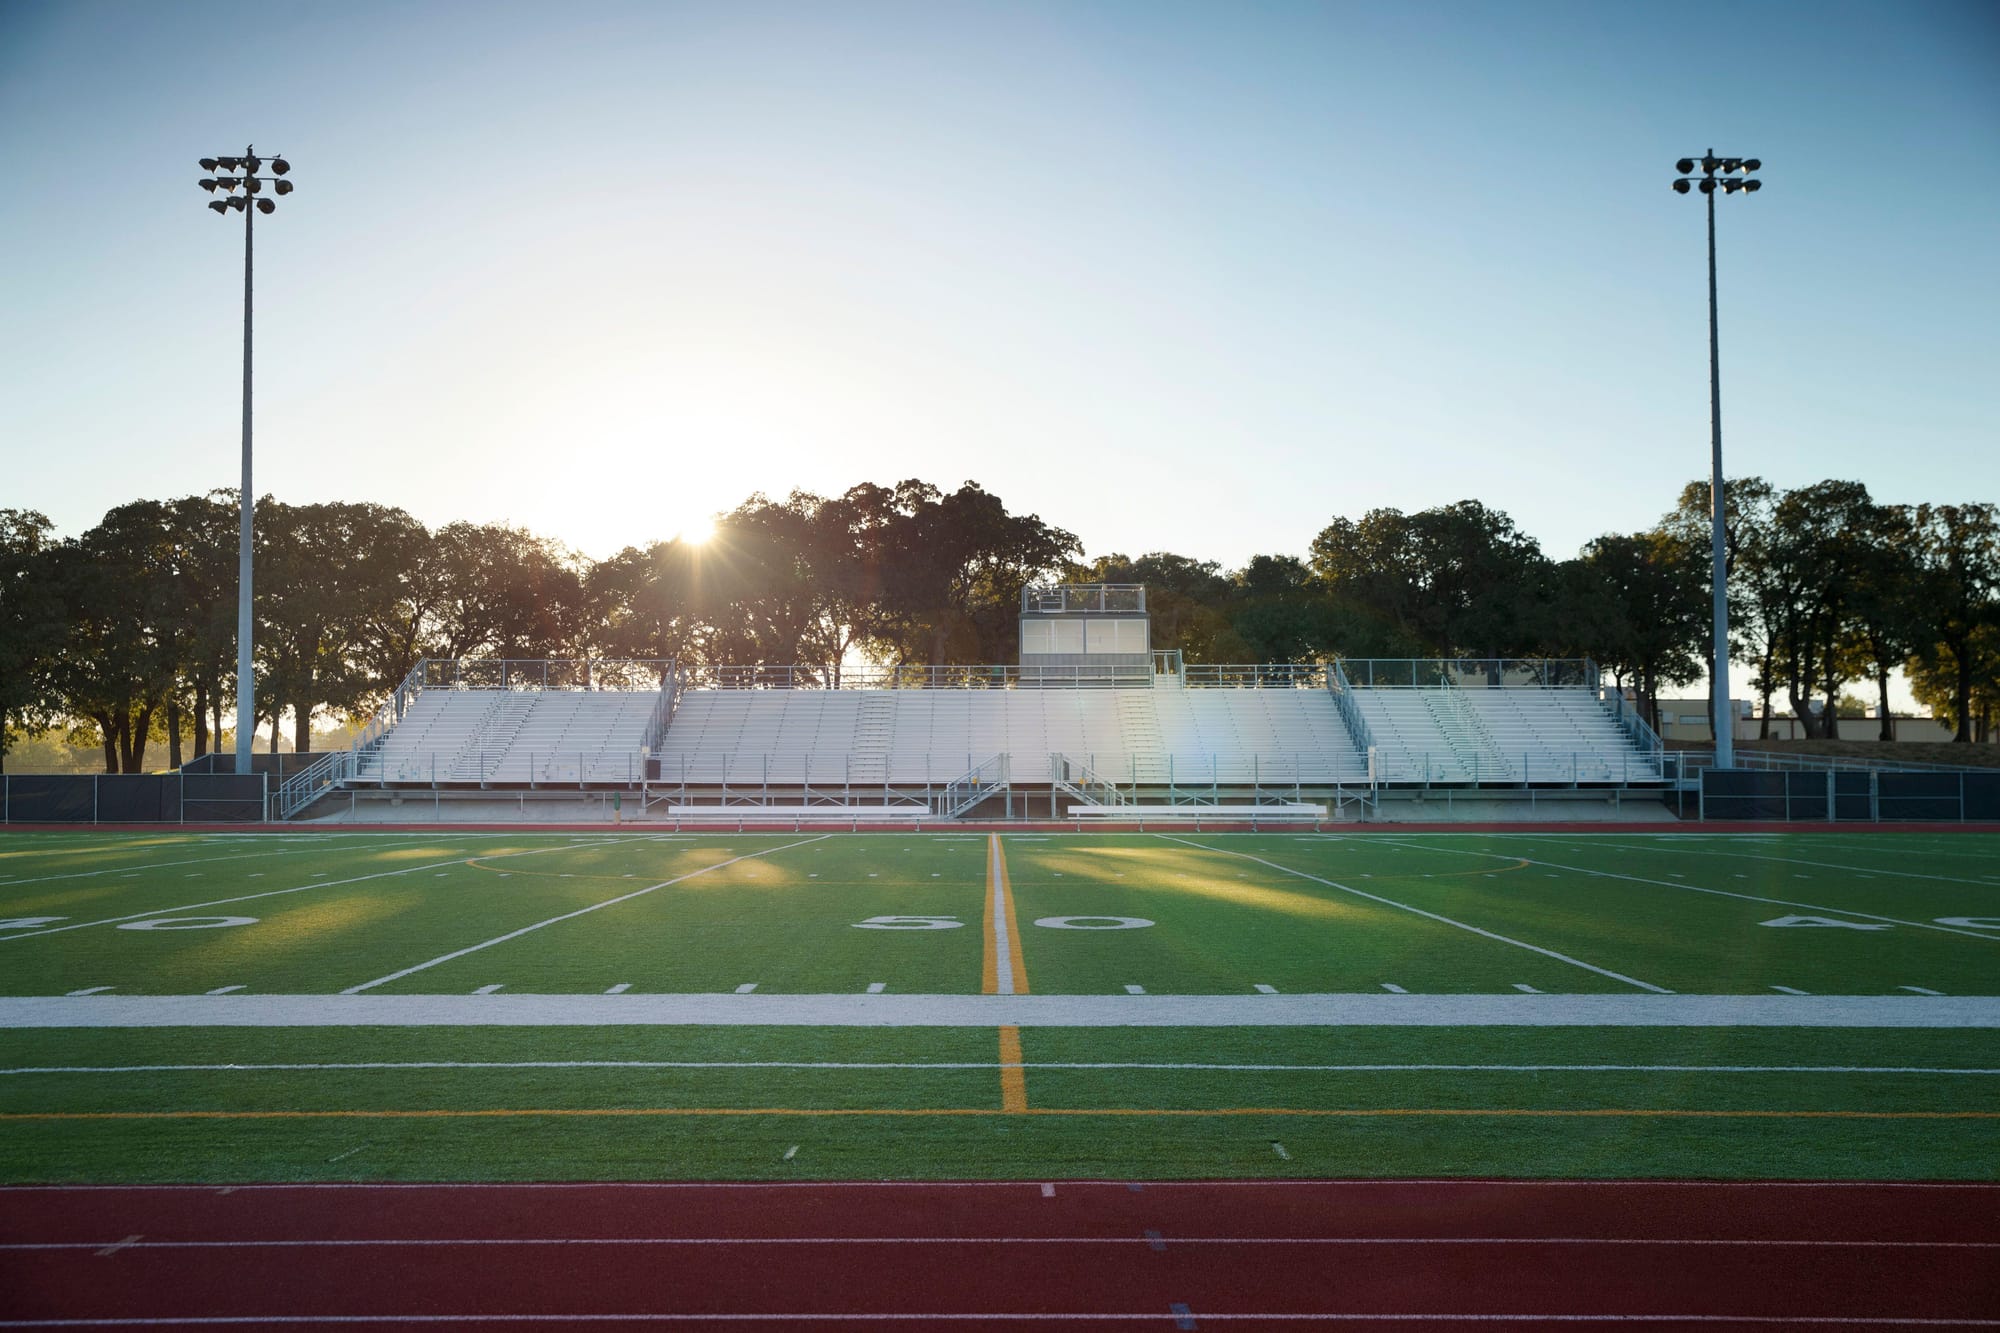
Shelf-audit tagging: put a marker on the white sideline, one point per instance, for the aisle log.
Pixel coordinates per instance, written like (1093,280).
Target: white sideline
(988,1011)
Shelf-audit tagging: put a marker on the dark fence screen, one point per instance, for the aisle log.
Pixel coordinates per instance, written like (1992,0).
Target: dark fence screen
(1853,796)
(134,798)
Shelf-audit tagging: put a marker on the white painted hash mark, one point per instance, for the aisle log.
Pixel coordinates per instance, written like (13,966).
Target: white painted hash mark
(1392,987)
(624,986)
(231,990)
(1523,986)
(93,990)
(488,990)
(877,987)
(1049,1191)
(1914,990)
(793,1151)
(746,988)
(1263,989)
(1135,990)
(1279,1149)
(1784,989)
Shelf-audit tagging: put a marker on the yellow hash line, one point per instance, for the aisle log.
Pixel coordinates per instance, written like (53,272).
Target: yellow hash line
(999,911)
(1341,1112)
(1013,1079)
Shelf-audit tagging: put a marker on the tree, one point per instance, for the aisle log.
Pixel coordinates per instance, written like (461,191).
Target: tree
(1885,619)
(1460,579)
(1958,552)
(1755,600)
(31,622)
(1810,566)
(1642,592)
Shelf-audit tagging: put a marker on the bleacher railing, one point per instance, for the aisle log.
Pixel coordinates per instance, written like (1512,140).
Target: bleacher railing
(663,712)
(1509,673)
(1256,676)
(982,783)
(1342,690)
(1630,722)
(633,674)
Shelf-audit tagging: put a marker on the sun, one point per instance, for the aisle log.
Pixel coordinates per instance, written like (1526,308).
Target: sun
(696,532)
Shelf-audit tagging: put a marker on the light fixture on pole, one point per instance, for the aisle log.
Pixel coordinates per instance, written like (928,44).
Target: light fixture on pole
(1733,178)
(249,205)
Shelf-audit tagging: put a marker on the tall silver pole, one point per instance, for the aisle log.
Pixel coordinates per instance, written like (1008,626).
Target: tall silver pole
(246,680)
(1718,693)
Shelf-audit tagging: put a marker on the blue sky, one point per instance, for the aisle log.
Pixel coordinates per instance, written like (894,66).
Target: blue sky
(1180,276)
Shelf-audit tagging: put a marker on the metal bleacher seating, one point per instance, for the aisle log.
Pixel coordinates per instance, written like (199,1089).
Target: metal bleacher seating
(1454,735)
(513,736)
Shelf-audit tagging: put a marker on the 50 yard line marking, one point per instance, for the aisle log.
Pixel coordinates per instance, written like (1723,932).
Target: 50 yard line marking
(1003,971)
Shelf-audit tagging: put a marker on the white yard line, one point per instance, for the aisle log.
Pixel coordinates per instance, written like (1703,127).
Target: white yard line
(1720,893)
(1372,1009)
(275,893)
(258,855)
(1786,860)
(1418,911)
(960,1065)
(566,916)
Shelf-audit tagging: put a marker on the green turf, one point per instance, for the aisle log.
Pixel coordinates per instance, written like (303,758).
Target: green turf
(1432,914)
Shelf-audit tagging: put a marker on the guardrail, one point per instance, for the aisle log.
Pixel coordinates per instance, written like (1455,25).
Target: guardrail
(630,674)
(985,781)
(1342,691)
(1503,673)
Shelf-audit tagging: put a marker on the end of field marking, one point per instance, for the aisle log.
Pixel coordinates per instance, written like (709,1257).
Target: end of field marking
(90,990)
(1393,988)
(793,1151)
(624,986)
(1786,990)
(488,990)
(1263,989)
(877,987)
(1049,1191)
(746,988)
(230,990)
(1914,990)
(1523,986)
(1135,990)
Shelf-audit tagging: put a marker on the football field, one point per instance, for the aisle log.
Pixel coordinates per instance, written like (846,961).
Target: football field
(631,1005)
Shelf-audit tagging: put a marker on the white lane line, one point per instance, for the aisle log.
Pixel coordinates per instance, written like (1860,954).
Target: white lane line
(1720,893)
(1786,990)
(231,990)
(1418,911)
(488,990)
(624,986)
(750,986)
(1263,989)
(1003,943)
(1048,1192)
(301,888)
(877,987)
(1391,986)
(567,916)
(959,1065)
(94,990)
(1914,990)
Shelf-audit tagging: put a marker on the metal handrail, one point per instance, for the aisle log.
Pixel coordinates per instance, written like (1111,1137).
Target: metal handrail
(985,781)
(1379,673)
(663,711)
(1342,691)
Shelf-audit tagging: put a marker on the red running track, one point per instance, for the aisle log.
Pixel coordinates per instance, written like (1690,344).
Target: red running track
(1356,1255)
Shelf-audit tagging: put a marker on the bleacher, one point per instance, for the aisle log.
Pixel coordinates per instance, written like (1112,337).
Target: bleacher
(513,736)
(1449,734)
(1147,736)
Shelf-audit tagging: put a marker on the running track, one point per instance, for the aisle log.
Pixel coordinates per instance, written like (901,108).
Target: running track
(1356,1255)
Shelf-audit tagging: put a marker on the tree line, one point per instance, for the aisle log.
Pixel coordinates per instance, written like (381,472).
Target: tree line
(126,633)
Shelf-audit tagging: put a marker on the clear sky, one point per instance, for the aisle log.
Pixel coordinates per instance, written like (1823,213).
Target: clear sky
(1183,276)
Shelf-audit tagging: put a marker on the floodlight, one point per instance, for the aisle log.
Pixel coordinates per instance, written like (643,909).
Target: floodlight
(1681,186)
(279,165)
(239,204)
(208,164)
(1685,166)
(1707,185)
(283,187)
(1730,164)
(253,164)
(266,206)
(252,185)
(1753,186)
(1710,163)
(206,184)
(227,163)
(1731,187)
(220,205)
(1752,164)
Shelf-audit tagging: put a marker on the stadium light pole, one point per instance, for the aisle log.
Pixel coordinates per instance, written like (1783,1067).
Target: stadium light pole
(249,203)
(1729,182)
